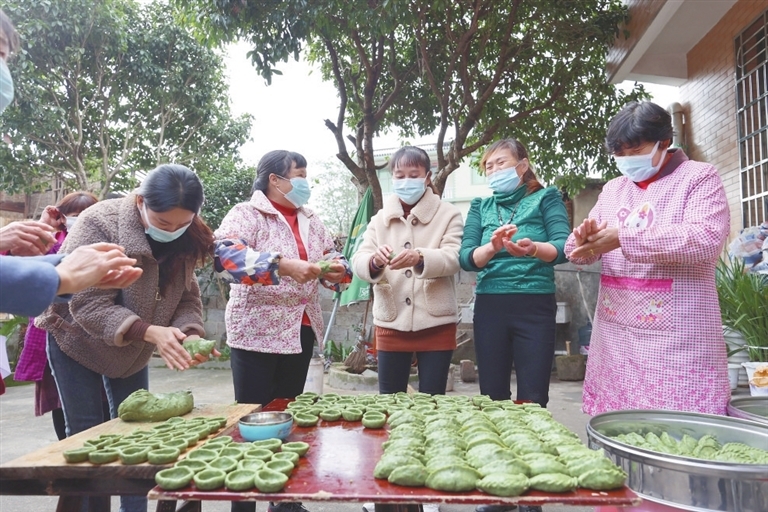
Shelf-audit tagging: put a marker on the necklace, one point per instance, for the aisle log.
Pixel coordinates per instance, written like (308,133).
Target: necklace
(514,210)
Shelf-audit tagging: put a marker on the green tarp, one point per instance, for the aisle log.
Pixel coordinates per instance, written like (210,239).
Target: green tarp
(358,290)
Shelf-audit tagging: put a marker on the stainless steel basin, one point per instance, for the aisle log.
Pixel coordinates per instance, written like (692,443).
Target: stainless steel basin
(683,482)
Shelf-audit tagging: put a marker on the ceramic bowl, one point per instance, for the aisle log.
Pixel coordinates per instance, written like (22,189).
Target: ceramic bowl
(265,425)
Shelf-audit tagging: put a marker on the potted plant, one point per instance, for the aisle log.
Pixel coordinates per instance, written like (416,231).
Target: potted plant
(743,298)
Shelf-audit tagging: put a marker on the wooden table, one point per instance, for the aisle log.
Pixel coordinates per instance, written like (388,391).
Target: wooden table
(45,472)
(339,467)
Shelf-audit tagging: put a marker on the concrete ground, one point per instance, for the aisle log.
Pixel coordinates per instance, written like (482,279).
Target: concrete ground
(21,432)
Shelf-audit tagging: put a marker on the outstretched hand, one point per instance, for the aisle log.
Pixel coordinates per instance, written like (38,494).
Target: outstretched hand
(102,265)
(27,238)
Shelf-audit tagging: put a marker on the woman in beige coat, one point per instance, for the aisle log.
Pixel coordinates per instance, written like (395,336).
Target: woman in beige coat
(410,253)
(102,340)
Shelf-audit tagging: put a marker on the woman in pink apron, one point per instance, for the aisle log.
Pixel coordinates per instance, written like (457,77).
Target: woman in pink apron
(657,340)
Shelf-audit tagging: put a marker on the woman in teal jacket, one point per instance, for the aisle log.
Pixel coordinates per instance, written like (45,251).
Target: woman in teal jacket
(512,240)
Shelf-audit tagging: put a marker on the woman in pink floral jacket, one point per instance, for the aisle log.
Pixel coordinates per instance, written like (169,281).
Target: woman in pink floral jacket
(269,248)
(657,342)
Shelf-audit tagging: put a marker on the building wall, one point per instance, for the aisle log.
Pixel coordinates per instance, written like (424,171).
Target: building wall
(463,185)
(709,101)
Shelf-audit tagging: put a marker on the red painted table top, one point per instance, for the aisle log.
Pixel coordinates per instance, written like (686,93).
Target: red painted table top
(339,467)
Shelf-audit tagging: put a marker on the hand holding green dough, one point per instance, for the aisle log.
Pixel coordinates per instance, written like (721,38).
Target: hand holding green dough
(199,346)
(325,266)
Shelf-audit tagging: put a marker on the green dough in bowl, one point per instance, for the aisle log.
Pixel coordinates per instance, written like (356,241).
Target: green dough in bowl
(78,454)
(226,464)
(252,464)
(179,443)
(174,478)
(240,480)
(134,455)
(163,455)
(273,444)
(283,466)
(195,465)
(203,454)
(268,480)
(104,456)
(304,419)
(291,457)
(352,414)
(232,452)
(299,447)
(259,453)
(374,419)
(209,479)
(330,414)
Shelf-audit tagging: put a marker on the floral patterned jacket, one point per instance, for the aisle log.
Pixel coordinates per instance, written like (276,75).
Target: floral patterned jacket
(264,311)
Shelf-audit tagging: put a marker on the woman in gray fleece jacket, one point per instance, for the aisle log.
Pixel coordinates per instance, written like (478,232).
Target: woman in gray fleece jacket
(102,340)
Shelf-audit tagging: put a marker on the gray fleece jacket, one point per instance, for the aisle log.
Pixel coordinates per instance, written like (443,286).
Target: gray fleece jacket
(91,327)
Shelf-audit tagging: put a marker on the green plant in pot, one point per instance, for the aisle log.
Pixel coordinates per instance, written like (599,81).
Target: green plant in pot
(743,298)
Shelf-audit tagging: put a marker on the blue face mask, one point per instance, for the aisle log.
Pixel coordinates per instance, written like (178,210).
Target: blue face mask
(6,86)
(157,234)
(504,181)
(410,190)
(639,167)
(299,194)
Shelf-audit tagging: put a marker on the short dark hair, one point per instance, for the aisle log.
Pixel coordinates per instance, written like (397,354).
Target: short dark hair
(410,155)
(171,186)
(76,202)
(275,162)
(8,32)
(636,124)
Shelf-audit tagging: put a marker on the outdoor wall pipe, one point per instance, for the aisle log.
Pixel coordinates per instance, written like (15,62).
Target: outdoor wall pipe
(678,124)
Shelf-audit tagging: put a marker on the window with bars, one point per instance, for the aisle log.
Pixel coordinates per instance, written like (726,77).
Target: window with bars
(752,120)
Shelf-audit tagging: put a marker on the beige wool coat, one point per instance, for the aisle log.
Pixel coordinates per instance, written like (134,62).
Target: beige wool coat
(90,328)
(410,299)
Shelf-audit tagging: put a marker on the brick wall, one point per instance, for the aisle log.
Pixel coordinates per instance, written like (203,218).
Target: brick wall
(709,100)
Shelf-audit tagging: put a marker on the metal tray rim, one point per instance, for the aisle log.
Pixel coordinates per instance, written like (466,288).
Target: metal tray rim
(734,403)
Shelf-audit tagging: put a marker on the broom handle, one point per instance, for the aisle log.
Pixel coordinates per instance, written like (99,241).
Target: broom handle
(365,321)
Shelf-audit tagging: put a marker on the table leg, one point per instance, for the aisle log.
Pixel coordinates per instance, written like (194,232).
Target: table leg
(70,503)
(99,503)
(166,506)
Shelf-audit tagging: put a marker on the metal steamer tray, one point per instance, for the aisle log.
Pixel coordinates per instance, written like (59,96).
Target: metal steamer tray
(683,482)
(753,408)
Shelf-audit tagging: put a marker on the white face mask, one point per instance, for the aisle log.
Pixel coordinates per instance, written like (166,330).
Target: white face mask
(159,235)
(639,167)
(71,222)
